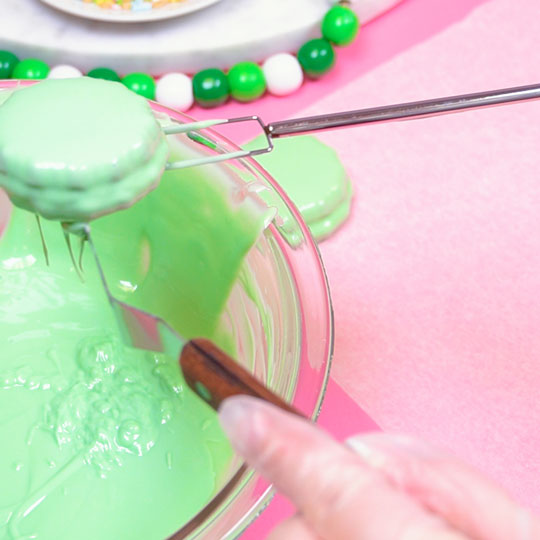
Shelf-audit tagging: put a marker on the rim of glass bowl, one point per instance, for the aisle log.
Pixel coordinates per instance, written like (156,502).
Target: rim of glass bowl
(228,494)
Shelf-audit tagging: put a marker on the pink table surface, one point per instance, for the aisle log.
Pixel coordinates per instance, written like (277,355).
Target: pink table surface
(436,276)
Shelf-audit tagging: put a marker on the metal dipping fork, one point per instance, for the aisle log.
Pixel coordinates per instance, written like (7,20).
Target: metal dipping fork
(377,115)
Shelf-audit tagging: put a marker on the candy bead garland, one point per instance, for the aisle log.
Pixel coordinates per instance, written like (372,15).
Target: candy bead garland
(281,74)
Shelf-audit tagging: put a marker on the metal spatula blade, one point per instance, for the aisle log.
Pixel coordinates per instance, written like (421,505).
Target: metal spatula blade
(138,328)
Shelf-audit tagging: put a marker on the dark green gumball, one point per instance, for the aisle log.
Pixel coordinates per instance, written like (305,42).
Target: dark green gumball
(8,61)
(316,57)
(104,73)
(210,87)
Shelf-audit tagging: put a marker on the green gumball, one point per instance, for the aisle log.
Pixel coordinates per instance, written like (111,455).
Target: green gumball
(142,84)
(246,81)
(30,68)
(340,25)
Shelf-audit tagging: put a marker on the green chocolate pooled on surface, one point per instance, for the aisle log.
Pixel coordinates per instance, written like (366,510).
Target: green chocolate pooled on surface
(76,149)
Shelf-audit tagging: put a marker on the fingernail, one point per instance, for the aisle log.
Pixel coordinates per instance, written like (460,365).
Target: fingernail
(241,423)
(526,525)
(377,449)
(371,455)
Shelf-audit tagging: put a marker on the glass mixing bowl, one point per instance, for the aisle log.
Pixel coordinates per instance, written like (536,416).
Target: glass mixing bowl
(279,315)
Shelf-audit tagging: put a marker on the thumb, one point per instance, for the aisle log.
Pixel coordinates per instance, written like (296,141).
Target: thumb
(461,495)
(334,491)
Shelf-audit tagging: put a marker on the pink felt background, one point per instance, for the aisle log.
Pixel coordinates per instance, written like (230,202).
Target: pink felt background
(436,276)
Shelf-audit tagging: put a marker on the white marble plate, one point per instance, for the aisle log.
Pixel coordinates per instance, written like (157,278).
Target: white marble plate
(92,11)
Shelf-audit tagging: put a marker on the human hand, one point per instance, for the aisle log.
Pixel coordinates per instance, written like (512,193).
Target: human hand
(379,487)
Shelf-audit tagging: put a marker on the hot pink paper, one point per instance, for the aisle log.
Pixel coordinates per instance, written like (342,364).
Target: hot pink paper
(436,277)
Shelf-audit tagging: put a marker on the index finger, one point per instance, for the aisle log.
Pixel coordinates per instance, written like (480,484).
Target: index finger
(339,496)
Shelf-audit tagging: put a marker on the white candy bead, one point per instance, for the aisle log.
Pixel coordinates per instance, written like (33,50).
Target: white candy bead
(63,71)
(175,90)
(283,74)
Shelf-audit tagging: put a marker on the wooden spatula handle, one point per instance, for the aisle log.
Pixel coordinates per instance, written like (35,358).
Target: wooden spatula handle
(215,376)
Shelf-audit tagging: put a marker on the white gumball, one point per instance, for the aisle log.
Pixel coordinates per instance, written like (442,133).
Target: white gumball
(283,74)
(63,71)
(175,90)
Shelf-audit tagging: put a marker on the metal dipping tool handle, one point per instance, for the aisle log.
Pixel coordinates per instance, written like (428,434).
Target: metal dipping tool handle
(404,111)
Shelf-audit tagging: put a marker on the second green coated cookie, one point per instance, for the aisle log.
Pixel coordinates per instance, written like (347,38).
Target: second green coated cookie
(314,178)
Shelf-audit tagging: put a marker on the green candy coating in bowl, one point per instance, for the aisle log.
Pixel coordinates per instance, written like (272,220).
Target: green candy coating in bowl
(176,253)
